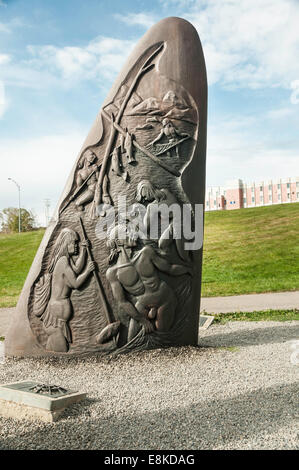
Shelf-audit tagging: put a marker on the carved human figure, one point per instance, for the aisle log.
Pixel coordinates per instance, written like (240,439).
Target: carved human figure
(171,133)
(52,292)
(141,294)
(157,200)
(86,167)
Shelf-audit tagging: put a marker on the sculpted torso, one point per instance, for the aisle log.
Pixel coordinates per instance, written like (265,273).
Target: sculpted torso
(139,275)
(84,173)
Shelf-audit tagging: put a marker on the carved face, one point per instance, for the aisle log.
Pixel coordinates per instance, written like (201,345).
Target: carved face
(123,236)
(90,157)
(131,239)
(73,247)
(167,123)
(145,191)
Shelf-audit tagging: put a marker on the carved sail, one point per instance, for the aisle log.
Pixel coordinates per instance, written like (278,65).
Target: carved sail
(130,290)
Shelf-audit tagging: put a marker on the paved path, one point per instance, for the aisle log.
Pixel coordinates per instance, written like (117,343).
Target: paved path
(251,302)
(236,303)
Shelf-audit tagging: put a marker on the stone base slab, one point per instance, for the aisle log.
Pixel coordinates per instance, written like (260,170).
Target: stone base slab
(17,402)
(9,409)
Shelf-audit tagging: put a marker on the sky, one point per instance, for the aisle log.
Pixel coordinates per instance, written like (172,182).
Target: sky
(59,59)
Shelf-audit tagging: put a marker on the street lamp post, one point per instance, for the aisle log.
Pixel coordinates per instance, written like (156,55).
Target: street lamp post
(19,190)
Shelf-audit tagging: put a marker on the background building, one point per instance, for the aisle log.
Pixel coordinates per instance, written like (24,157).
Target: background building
(237,194)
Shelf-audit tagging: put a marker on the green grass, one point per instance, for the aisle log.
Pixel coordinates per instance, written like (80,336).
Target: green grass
(16,255)
(264,315)
(245,251)
(251,250)
(229,348)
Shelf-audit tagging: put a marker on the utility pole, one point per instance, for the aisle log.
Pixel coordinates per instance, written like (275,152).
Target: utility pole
(47,212)
(19,190)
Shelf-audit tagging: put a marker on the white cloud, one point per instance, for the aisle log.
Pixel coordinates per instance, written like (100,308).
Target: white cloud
(4,59)
(4,28)
(295,95)
(41,166)
(145,20)
(234,150)
(100,59)
(12,24)
(280,113)
(248,44)
(49,66)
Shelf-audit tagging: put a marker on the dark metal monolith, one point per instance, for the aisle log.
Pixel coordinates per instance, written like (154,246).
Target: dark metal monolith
(119,267)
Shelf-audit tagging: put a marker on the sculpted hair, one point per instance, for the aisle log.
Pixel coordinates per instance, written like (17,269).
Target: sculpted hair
(65,237)
(150,192)
(83,158)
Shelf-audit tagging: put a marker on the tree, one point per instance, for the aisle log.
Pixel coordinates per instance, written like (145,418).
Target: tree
(9,219)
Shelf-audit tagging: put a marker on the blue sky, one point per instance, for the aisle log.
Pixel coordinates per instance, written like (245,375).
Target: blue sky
(58,60)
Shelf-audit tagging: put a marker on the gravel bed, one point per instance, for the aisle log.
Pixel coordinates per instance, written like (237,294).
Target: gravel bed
(238,390)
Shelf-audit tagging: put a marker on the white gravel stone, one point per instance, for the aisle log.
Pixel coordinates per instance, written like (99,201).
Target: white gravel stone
(238,390)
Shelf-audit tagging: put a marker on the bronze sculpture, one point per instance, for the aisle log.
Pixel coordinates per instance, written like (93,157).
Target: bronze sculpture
(134,290)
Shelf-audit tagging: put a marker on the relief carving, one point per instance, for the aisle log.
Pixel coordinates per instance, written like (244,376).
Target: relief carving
(134,289)
(52,292)
(143,298)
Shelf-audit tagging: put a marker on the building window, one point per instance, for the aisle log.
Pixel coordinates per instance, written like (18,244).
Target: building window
(252,199)
(215,203)
(278,186)
(297,184)
(279,197)
(297,195)
(252,190)
(244,200)
(270,187)
(261,188)
(270,197)
(288,185)
(207,203)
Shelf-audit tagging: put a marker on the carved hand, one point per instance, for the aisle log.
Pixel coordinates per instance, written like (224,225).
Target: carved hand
(147,325)
(91,266)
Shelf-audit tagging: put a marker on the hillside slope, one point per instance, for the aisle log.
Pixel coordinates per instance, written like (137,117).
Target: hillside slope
(245,251)
(251,250)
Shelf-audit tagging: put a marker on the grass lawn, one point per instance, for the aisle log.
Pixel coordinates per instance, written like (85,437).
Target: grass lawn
(245,251)
(16,255)
(251,250)
(264,315)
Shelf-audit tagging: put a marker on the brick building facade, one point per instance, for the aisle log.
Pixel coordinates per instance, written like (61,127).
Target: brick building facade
(237,194)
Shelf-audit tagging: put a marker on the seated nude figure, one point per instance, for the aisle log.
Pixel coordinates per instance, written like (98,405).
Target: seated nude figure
(136,285)
(52,293)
